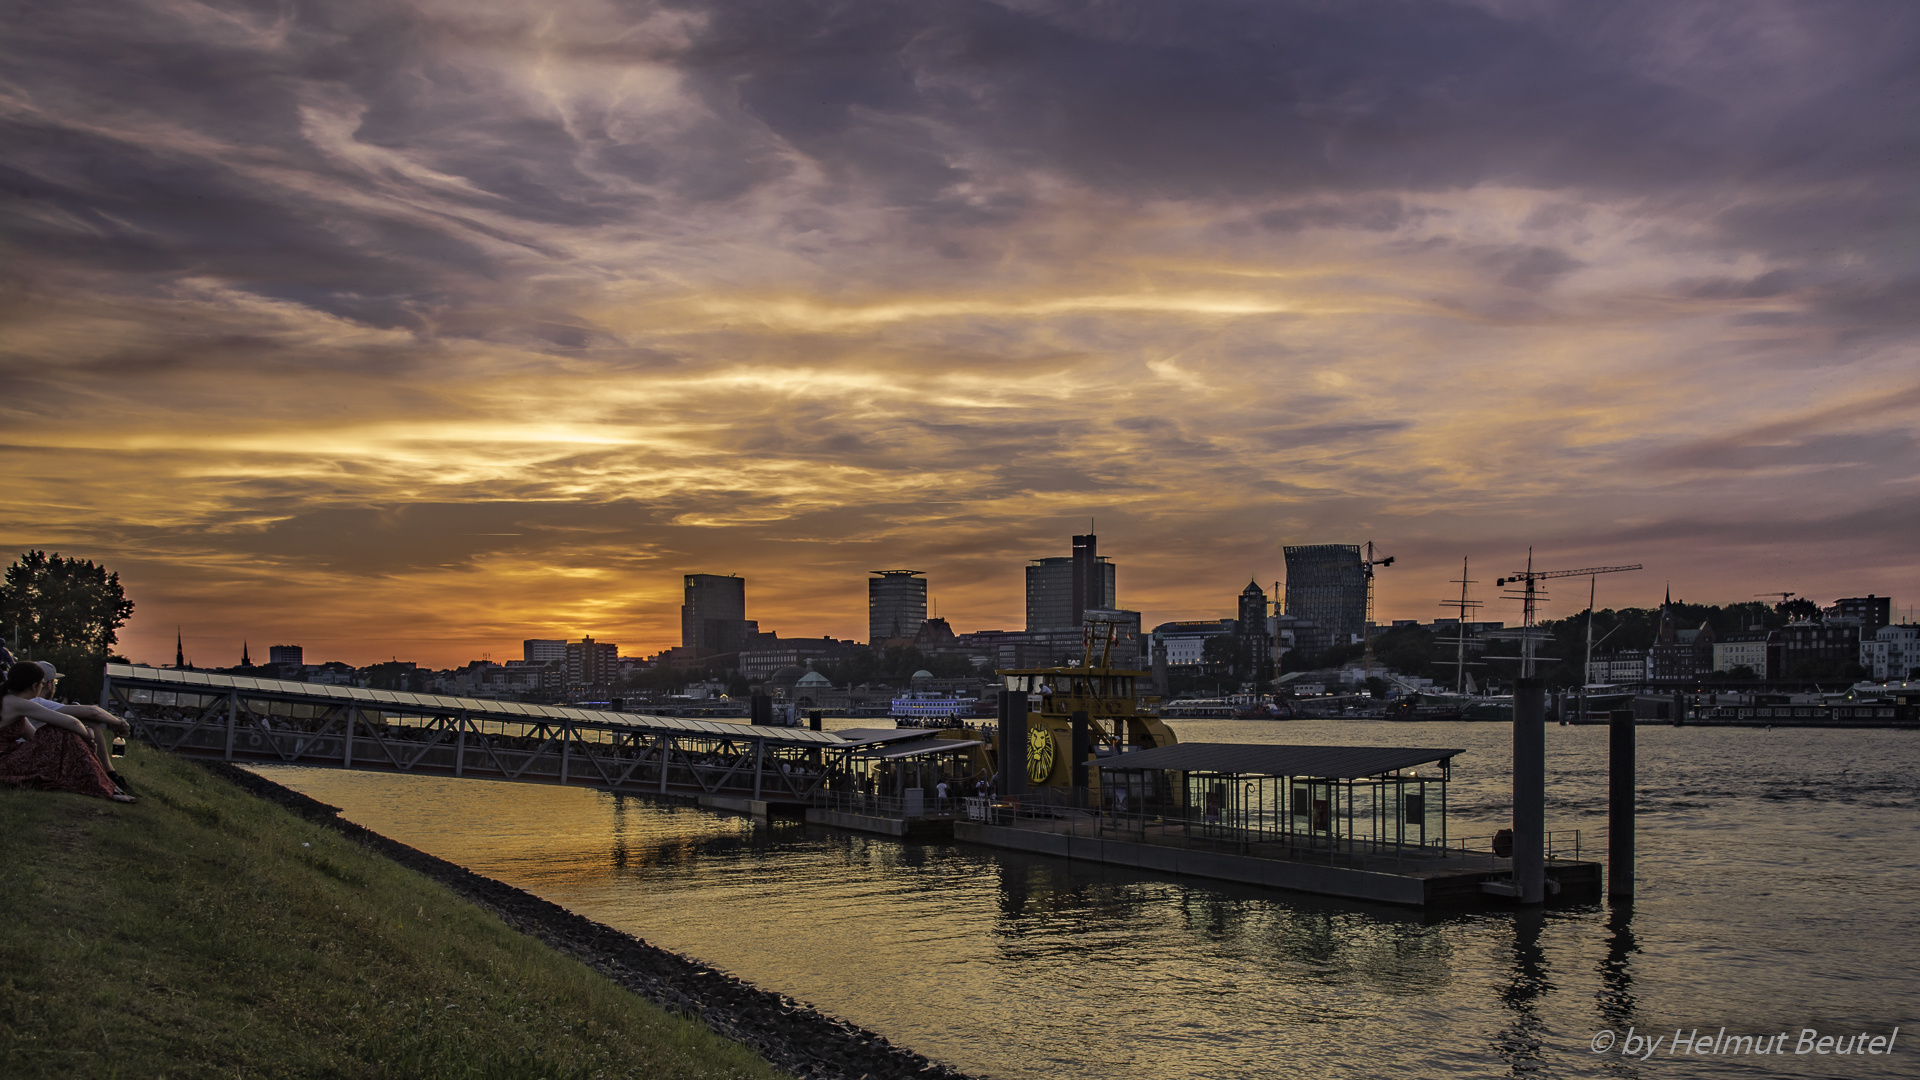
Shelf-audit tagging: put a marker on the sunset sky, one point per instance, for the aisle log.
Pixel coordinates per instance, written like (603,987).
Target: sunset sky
(417,329)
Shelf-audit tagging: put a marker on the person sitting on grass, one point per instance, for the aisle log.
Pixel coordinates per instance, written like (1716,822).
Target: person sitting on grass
(98,720)
(45,748)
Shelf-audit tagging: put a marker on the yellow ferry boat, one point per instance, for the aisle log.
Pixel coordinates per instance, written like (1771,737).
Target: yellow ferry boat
(1118,719)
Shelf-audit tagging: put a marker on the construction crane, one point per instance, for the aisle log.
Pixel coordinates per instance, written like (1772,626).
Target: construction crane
(1784,597)
(1530,596)
(1366,569)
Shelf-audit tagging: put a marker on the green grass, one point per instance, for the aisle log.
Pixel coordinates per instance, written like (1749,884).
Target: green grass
(206,933)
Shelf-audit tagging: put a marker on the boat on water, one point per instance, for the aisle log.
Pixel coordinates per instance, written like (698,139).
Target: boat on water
(1243,707)
(923,709)
(1441,705)
(1116,722)
(1595,702)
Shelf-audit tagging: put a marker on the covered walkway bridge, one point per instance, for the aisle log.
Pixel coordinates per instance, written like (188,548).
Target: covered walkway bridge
(277,722)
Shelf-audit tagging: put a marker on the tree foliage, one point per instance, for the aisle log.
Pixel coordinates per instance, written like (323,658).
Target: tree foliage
(50,601)
(1798,609)
(68,611)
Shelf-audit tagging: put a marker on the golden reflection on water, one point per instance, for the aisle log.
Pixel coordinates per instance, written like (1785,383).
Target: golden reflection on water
(1021,966)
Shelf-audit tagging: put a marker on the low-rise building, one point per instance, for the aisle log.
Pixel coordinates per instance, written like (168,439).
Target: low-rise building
(1756,650)
(543,650)
(1818,646)
(1625,668)
(771,652)
(1892,653)
(1185,642)
(1681,656)
(1870,611)
(1008,649)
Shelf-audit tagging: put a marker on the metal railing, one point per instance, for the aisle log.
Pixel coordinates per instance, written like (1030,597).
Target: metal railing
(1056,815)
(1562,845)
(889,806)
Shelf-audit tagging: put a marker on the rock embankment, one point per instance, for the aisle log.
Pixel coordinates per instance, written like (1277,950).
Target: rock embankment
(792,1035)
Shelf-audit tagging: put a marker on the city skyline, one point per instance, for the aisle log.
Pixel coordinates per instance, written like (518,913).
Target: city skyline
(420,330)
(1494,602)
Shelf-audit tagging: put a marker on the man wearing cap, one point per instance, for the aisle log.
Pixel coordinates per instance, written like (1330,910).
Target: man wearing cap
(97,719)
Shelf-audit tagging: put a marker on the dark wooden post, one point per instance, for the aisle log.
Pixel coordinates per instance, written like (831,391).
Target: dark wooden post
(1620,784)
(1013,742)
(1530,790)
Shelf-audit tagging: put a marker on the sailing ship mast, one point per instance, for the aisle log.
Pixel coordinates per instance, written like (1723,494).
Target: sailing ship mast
(1465,607)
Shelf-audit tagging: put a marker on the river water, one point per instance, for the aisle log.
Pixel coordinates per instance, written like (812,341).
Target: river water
(1777,886)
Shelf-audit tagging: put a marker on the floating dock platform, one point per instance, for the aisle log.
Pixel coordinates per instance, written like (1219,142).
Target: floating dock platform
(1432,878)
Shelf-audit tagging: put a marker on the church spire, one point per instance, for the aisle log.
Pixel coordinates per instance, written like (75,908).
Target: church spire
(244,661)
(179,651)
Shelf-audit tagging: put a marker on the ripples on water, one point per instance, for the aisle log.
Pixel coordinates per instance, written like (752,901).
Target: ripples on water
(1776,890)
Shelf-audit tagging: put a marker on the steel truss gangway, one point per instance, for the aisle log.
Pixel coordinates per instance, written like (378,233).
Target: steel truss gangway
(277,722)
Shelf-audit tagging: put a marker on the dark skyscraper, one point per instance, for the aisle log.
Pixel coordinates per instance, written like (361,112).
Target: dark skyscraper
(714,618)
(1327,585)
(1255,646)
(896,604)
(1061,590)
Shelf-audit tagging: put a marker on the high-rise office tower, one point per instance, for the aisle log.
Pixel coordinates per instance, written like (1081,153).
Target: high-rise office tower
(714,618)
(1061,590)
(1255,645)
(896,604)
(1327,585)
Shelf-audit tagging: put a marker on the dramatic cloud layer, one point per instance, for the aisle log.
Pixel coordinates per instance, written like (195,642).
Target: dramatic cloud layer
(419,329)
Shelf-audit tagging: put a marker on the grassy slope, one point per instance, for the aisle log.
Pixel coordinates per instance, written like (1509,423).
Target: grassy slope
(203,932)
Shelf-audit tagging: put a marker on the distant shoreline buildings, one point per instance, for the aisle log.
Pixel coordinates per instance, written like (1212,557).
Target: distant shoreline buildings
(1073,616)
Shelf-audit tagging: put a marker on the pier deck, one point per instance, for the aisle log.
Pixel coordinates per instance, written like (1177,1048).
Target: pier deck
(1410,877)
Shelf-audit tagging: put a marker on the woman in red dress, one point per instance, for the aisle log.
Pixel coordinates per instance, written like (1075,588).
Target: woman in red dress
(43,748)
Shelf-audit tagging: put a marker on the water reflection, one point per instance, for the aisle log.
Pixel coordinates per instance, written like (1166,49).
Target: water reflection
(619,832)
(1522,1040)
(1025,967)
(1617,1004)
(1050,909)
